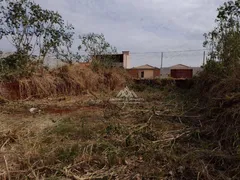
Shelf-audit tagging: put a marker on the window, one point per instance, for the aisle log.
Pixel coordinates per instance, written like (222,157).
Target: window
(142,74)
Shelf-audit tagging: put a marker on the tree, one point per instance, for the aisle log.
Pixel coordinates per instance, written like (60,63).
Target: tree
(95,44)
(224,40)
(64,51)
(31,29)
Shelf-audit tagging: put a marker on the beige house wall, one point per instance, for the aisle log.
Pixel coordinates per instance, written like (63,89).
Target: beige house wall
(126,59)
(148,74)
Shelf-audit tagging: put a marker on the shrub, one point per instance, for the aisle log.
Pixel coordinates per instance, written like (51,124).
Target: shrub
(15,66)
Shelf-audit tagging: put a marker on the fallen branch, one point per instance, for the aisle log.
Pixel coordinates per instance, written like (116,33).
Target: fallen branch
(7,169)
(159,113)
(172,139)
(64,172)
(27,99)
(91,93)
(175,115)
(1,149)
(150,119)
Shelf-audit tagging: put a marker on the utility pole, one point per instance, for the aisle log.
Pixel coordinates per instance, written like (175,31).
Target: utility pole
(161,60)
(204,57)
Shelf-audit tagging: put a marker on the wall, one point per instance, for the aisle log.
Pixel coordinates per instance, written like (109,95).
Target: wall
(121,60)
(133,73)
(165,72)
(126,59)
(156,73)
(182,73)
(148,74)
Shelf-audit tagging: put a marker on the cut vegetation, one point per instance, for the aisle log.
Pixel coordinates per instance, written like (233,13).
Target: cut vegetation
(62,123)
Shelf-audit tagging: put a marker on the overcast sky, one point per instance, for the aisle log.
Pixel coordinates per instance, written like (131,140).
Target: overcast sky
(142,25)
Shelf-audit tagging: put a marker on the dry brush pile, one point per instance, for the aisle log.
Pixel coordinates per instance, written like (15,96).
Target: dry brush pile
(67,80)
(219,96)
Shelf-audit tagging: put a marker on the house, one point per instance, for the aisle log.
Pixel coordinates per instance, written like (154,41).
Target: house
(119,60)
(144,72)
(166,71)
(181,71)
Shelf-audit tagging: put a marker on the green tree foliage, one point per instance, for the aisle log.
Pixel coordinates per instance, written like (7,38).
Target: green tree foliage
(36,32)
(224,40)
(31,29)
(64,52)
(97,50)
(95,44)
(16,65)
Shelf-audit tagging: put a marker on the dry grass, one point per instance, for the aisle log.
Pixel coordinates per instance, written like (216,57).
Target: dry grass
(221,98)
(152,140)
(67,80)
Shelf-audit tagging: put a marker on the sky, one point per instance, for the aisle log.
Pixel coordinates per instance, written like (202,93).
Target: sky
(142,26)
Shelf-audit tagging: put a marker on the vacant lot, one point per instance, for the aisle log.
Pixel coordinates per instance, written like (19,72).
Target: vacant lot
(88,137)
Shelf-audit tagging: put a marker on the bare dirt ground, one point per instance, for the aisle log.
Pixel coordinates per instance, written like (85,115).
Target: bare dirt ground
(87,137)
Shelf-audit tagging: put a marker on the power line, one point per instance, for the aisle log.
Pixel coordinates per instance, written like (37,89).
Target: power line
(179,51)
